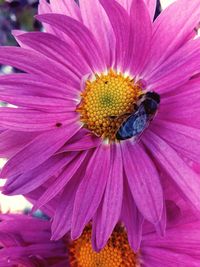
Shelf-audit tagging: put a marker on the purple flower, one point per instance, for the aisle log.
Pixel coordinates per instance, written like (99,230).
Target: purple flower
(84,78)
(179,247)
(25,241)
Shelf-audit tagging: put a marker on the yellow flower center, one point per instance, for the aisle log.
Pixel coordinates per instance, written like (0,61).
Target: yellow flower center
(106,102)
(117,252)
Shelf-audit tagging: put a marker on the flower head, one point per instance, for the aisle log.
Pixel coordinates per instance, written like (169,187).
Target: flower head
(87,136)
(25,241)
(178,248)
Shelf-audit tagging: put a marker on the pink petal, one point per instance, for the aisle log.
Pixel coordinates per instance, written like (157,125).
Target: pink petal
(11,142)
(171,257)
(151,4)
(108,214)
(188,93)
(170,32)
(17,33)
(45,8)
(143,181)
(178,69)
(83,140)
(63,179)
(63,215)
(81,36)
(48,209)
(38,103)
(172,108)
(161,225)
(120,22)
(19,119)
(90,190)
(38,151)
(184,139)
(185,178)
(95,18)
(140,37)
(66,7)
(57,50)
(126,4)
(29,84)
(132,219)
(31,180)
(32,62)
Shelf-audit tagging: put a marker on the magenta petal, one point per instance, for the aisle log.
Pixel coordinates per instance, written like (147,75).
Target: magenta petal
(161,225)
(11,142)
(185,178)
(63,179)
(132,219)
(143,181)
(126,4)
(35,85)
(188,93)
(66,7)
(39,150)
(29,120)
(95,18)
(184,139)
(140,37)
(173,110)
(32,62)
(165,40)
(57,50)
(108,214)
(25,241)
(120,22)
(171,257)
(31,180)
(44,8)
(17,33)
(81,36)
(38,103)
(151,4)
(48,209)
(178,69)
(63,215)
(90,190)
(83,140)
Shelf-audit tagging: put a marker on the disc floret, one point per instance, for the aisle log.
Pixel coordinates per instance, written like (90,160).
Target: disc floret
(106,102)
(117,252)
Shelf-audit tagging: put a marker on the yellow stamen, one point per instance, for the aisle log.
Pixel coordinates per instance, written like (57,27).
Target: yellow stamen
(106,102)
(117,252)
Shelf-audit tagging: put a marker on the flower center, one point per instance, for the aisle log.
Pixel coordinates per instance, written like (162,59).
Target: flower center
(106,102)
(117,252)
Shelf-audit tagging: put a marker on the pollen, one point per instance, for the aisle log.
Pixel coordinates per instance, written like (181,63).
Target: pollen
(117,252)
(106,102)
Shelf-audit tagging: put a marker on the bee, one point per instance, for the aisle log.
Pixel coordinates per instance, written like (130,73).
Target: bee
(144,112)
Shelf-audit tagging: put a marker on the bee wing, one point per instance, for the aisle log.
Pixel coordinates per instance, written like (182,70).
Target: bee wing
(138,136)
(133,125)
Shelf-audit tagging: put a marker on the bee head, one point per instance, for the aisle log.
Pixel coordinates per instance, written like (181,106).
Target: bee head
(154,96)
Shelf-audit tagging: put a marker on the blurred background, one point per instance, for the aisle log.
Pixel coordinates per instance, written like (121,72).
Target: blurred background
(19,14)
